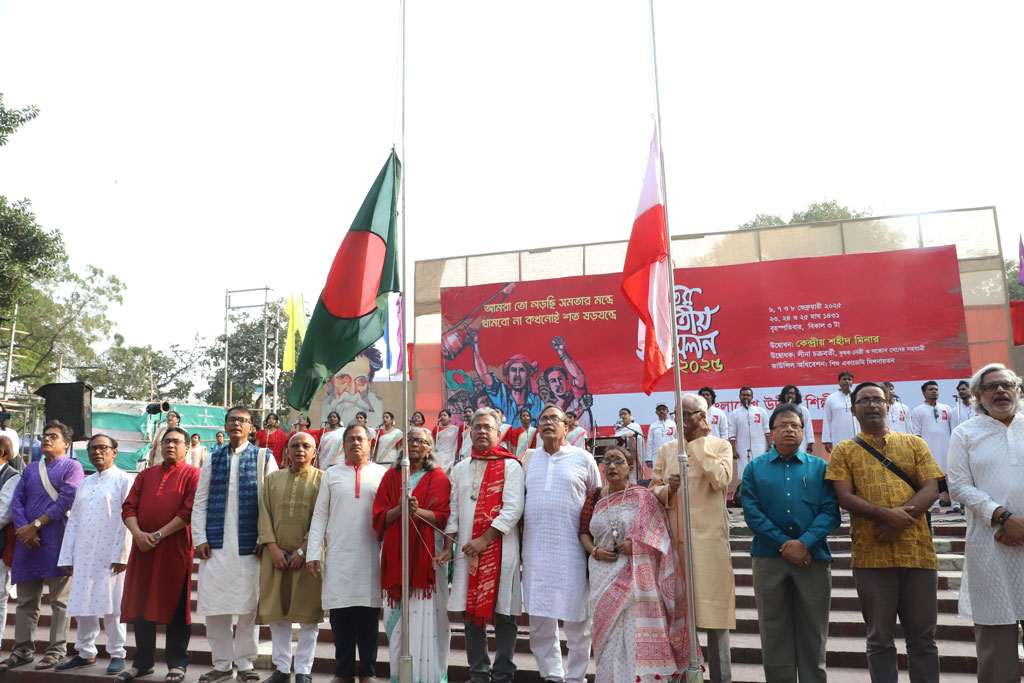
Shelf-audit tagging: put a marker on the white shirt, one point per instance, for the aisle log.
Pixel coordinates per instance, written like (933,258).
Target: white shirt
(466,478)
(719,422)
(342,533)
(228,582)
(6,496)
(748,427)
(94,539)
(898,418)
(839,423)
(658,433)
(986,471)
(931,423)
(554,561)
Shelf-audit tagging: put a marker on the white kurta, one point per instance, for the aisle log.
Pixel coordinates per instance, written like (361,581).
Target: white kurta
(96,538)
(931,423)
(658,433)
(554,560)
(719,423)
(330,451)
(748,427)
(466,477)
(808,429)
(228,582)
(342,533)
(986,471)
(898,418)
(839,424)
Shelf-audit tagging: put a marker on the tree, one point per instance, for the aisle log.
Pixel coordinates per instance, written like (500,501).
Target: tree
(11,119)
(28,254)
(816,212)
(1014,289)
(64,319)
(141,373)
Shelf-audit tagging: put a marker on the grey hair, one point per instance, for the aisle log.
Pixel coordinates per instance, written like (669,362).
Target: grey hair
(979,377)
(696,398)
(298,434)
(430,459)
(491,412)
(7,446)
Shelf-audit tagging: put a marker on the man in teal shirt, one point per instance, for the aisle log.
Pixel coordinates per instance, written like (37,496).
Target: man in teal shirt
(791,509)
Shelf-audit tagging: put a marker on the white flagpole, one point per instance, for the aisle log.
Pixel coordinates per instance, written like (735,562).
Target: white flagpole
(405,659)
(694,673)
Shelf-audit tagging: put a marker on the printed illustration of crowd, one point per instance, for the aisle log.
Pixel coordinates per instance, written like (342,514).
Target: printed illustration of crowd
(292,527)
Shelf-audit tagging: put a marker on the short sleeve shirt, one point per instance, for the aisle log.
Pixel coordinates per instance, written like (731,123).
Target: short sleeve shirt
(873,482)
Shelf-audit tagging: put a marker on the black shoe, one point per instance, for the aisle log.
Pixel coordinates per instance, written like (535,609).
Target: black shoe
(278,677)
(303,678)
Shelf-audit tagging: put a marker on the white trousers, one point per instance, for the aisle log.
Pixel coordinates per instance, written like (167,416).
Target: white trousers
(225,649)
(5,575)
(89,630)
(305,648)
(548,652)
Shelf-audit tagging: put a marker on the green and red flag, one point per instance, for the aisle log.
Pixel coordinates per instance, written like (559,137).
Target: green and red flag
(352,310)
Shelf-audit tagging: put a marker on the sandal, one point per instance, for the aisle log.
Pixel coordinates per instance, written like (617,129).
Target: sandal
(14,661)
(126,675)
(174,677)
(48,661)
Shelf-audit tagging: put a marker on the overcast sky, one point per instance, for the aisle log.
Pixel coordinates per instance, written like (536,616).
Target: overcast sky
(191,147)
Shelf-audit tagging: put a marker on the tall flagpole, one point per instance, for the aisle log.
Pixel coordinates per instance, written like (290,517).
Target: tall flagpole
(694,673)
(405,659)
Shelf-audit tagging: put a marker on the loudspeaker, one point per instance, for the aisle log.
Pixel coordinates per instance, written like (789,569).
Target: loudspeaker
(71,403)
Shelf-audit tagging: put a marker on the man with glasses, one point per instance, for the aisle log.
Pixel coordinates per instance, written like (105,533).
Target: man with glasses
(887,481)
(225,522)
(985,473)
(932,422)
(558,476)
(791,509)
(486,505)
(709,472)
(345,550)
(94,554)
(42,500)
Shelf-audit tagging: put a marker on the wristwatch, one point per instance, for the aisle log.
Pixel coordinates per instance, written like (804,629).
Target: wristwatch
(37,524)
(301,552)
(158,534)
(1005,516)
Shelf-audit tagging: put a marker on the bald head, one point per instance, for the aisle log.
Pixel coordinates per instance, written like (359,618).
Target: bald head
(301,448)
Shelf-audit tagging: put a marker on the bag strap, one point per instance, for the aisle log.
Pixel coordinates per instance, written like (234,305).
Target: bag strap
(50,491)
(885,462)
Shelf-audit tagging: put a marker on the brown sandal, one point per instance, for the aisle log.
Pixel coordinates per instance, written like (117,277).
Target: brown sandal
(14,661)
(48,661)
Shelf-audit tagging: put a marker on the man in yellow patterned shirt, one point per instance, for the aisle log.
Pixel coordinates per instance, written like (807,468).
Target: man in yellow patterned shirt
(894,563)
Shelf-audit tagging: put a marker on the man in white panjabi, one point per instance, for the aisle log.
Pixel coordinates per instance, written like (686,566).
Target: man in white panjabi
(838,423)
(486,506)
(95,553)
(718,421)
(932,421)
(558,476)
(986,473)
(660,431)
(748,432)
(345,549)
(225,531)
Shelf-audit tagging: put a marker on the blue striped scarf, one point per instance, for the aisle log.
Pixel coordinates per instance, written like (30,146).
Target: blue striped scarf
(248,498)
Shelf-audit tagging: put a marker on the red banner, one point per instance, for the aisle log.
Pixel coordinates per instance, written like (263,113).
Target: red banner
(895,316)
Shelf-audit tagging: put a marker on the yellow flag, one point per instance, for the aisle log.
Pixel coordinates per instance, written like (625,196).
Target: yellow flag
(296,311)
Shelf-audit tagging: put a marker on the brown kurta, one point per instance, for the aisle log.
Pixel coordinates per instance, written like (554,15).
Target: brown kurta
(709,472)
(286,512)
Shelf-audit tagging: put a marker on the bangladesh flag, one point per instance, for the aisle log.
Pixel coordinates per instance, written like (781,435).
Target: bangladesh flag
(352,309)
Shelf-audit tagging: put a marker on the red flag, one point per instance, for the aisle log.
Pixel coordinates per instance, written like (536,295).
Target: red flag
(645,275)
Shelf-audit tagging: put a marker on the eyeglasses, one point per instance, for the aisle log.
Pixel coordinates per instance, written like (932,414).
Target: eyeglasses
(483,428)
(172,442)
(688,413)
(549,419)
(615,461)
(417,440)
(783,426)
(50,436)
(876,401)
(989,387)
(237,420)
(100,449)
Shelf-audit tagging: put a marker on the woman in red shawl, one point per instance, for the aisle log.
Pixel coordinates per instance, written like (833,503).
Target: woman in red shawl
(429,630)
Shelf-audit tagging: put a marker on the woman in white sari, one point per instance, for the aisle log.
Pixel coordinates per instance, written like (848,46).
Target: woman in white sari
(429,628)
(632,562)
(446,440)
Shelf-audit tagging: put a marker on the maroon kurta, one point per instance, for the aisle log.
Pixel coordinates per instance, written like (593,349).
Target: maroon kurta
(154,580)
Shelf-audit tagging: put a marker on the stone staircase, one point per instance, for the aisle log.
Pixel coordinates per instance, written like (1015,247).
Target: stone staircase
(845,660)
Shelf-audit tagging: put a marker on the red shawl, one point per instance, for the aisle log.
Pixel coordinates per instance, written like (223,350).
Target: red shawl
(485,569)
(431,494)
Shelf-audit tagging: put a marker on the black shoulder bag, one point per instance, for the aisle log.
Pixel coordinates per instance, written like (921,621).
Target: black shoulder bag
(894,468)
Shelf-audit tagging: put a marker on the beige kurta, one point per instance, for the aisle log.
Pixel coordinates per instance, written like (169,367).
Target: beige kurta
(286,511)
(709,470)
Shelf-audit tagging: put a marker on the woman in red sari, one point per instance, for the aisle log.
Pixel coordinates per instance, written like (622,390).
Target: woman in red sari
(429,630)
(632,562)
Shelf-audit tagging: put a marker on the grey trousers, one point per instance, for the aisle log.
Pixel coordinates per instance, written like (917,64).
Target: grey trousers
(997,653)
(719,655)
(480,669)
(792,614)
(910,594)
(30,594)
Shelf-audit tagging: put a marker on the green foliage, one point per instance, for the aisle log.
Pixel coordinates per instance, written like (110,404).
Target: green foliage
(11,119)
(816,212)
(64,319)
(141,373)
(28,254)
(762,220)
(1014,289)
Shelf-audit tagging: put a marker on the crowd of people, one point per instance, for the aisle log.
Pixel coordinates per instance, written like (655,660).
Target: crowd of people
(290,529)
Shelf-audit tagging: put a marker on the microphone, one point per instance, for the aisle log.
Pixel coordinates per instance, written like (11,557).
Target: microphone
(956,398)
(745,401)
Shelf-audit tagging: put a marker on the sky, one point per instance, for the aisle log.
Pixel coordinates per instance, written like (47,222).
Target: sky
(194,147)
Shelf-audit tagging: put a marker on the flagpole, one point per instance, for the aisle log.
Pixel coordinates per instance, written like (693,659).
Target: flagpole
(694,673)
(405,658)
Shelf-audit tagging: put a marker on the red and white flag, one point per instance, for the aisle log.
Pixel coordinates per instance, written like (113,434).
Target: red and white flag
(645,275)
